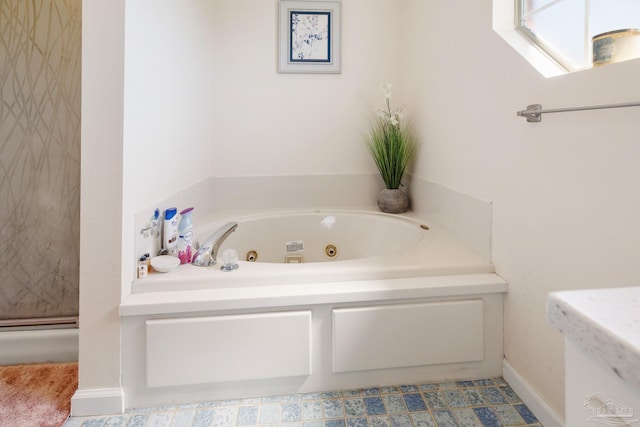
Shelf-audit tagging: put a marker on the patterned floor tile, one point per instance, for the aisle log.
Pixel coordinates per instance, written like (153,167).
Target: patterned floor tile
(400,420)
(509,415)
(247,416)
(357,422)
(183,419)
(511,395)
(160,419)
(290,412)
(379,421)
(221,417)
(428,387)
(370,391)
(354,407)
(423,419)
(481,402)
(312,410)
(333,409)
(269,414)
(487,416)
(474,397)
(445,419)
(493,395)
(374,406)
(455,398)
(525,413)
(466,417)
(394,403)
(435,400)
(414,402)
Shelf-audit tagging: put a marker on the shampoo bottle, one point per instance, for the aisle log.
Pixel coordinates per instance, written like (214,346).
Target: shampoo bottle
(185,234)
(170,231)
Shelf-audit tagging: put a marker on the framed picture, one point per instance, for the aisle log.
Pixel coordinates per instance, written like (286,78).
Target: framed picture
(309,36)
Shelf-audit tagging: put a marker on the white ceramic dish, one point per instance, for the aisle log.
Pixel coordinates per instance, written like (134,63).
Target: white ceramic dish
(164,263)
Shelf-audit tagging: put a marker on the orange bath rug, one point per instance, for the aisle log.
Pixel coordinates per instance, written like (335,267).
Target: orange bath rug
(36,395)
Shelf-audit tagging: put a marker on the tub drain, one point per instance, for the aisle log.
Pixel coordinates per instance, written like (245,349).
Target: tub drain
(331,251)
(252,256)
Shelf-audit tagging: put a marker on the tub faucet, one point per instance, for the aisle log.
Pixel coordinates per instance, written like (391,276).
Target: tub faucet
(208,252)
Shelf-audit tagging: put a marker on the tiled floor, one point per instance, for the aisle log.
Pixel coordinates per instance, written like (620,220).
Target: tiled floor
(484,402)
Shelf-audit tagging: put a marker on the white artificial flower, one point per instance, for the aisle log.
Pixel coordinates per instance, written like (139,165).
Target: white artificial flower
(394,120)
(386,89)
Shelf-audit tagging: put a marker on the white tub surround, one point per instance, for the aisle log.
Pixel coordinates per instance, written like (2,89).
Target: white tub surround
(602,359)
(464,218)
(217,343)
(401,303)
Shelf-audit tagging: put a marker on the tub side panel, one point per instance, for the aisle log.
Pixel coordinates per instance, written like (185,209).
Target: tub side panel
(214,349)
(407,335)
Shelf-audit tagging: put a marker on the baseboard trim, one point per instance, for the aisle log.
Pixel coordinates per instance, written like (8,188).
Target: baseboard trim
(38,346)
(534,402)
(100,401)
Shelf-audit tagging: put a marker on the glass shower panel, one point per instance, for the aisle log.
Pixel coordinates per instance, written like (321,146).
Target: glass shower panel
(40,48)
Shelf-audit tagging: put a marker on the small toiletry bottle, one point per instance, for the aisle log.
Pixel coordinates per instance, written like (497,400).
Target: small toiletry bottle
(185,234)
(170,231)
(147,260)
(142,268)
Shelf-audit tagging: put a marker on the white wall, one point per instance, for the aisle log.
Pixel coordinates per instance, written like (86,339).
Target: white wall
(168,118)
(266,123)
(564,191)
(101,232)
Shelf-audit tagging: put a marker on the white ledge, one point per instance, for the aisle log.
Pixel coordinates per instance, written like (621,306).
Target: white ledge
(252,297)
(604,323)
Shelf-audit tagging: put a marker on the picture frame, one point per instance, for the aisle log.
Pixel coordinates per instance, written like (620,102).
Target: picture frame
(309,36)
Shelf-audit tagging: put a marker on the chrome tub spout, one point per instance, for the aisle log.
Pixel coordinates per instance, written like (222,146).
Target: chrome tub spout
(208,252)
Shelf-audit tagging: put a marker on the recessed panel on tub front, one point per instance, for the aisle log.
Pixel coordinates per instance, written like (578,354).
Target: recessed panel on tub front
(228,348)
(396,336)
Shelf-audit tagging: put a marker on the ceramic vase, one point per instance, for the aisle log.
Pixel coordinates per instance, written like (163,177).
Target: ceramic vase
(393,201)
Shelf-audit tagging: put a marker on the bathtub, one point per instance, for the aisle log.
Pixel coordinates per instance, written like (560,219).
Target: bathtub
(314,246)
(332,236)
(331,299)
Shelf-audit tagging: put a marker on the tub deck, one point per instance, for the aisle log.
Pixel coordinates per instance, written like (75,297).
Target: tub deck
(282,296)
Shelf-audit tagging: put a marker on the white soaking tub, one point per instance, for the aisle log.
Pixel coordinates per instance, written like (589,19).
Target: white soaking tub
(330,299)
(367,245)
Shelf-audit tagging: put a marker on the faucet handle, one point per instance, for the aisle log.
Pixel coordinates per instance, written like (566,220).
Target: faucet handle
(203,257)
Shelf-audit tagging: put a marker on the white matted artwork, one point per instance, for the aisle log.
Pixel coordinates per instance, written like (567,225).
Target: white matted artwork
(309,36)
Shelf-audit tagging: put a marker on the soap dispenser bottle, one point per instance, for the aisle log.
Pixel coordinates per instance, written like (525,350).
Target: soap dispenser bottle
(170,231)
(185,234)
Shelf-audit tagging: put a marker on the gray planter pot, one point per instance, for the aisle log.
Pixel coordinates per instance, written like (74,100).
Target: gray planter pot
(393,201)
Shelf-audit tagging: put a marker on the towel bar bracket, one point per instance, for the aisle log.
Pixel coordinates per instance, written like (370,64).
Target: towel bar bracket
(532,113)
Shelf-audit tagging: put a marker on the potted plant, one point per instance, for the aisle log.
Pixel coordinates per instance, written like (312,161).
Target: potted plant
(392,145)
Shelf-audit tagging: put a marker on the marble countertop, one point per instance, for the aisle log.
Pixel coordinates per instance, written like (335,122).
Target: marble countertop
(604,323)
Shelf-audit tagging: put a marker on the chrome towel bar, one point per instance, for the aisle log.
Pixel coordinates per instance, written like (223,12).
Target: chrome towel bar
(534,112)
